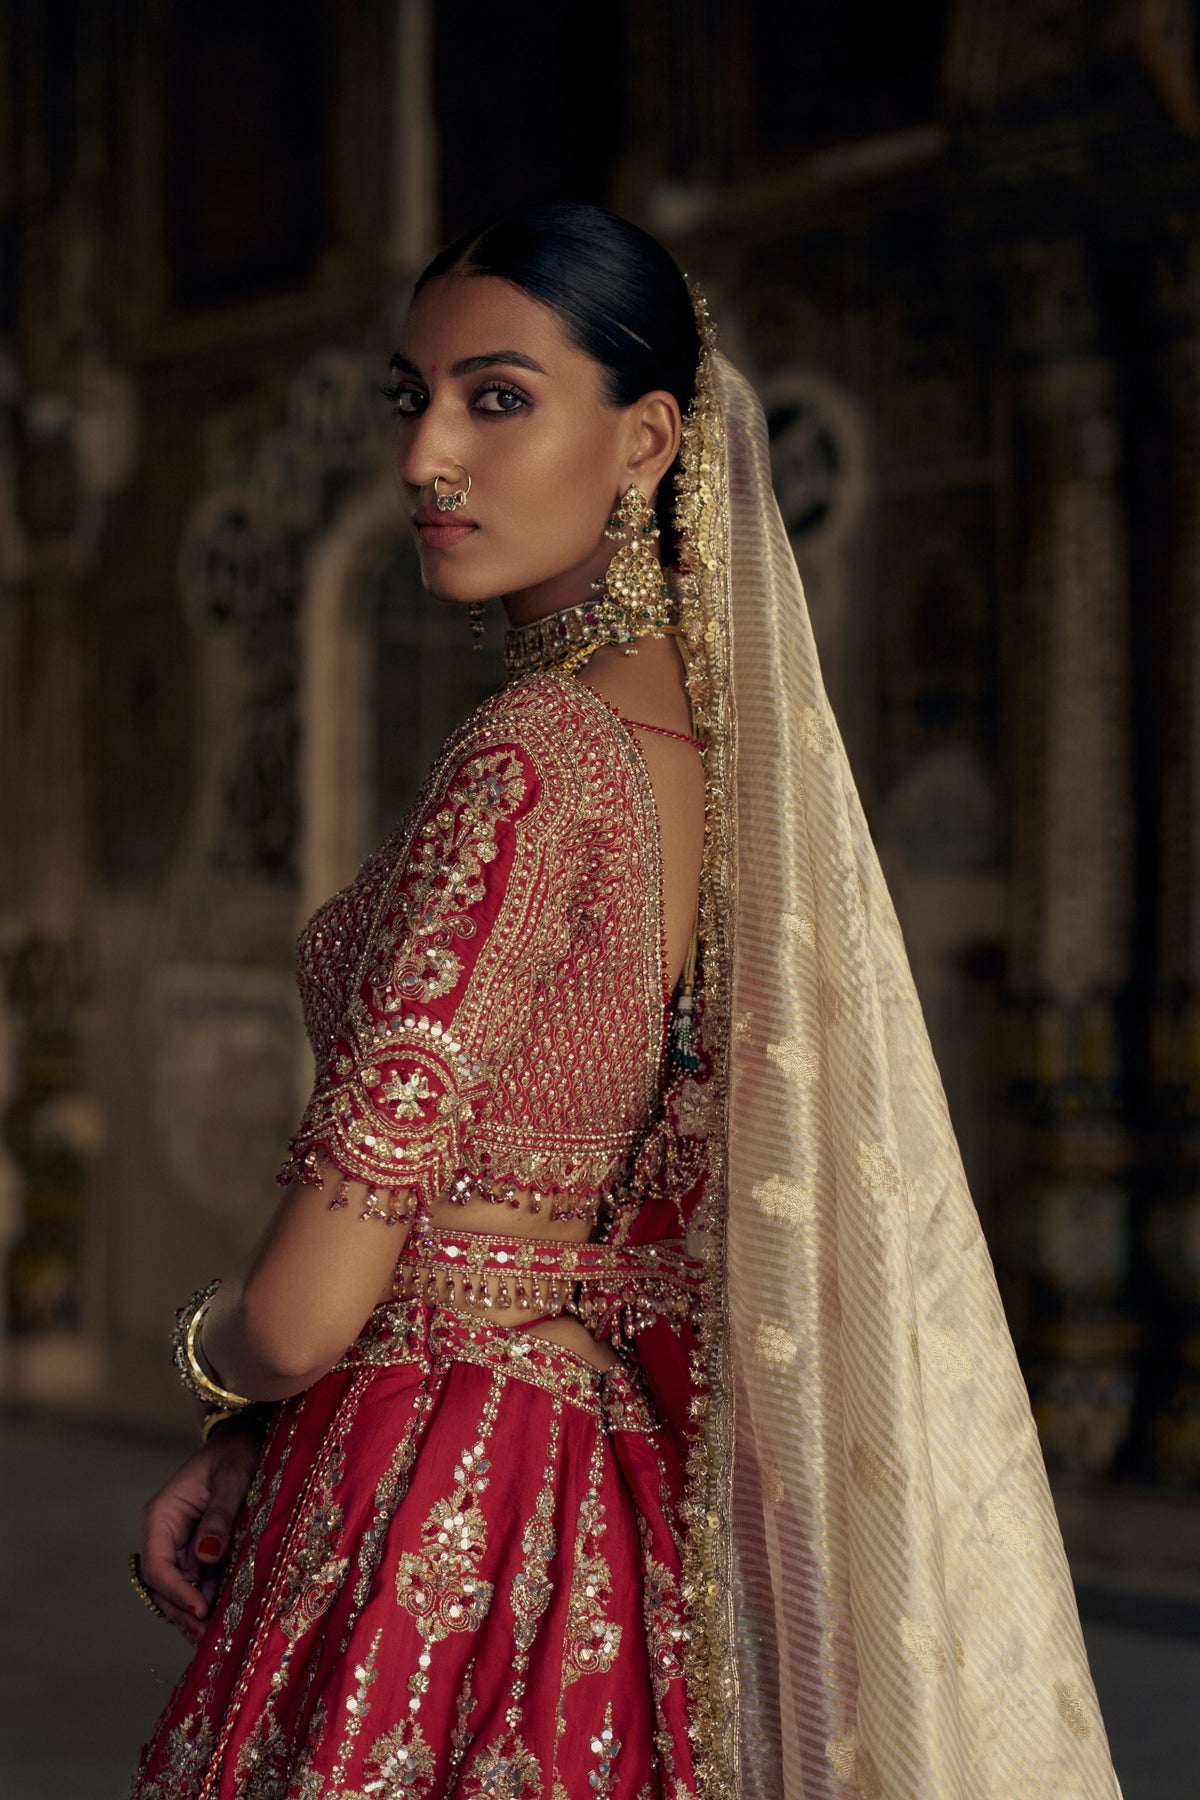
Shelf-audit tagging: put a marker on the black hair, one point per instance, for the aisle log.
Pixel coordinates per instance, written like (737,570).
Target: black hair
(620,296)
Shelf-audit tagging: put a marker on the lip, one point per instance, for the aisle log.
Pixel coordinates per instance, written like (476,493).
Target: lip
(445,533)
(438,530)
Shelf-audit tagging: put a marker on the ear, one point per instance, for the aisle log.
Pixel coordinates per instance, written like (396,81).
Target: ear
(655,426)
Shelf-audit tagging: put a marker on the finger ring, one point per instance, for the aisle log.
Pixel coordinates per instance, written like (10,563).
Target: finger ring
(142,1591)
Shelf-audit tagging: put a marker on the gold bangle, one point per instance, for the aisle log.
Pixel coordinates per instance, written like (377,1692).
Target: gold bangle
(194,1376)
(257,1415)
(217,1416)
(139,1587)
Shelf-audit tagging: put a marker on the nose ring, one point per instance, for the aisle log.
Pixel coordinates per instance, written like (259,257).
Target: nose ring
(454,498)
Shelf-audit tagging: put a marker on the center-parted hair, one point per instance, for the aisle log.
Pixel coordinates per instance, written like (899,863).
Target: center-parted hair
(619,294)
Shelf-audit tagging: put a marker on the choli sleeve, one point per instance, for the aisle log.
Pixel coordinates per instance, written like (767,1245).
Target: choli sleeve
(469,919)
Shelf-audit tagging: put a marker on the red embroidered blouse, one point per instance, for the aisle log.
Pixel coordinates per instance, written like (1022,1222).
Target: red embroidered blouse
(487,1000)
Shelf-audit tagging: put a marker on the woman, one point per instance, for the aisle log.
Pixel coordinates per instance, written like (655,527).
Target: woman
(672,1443)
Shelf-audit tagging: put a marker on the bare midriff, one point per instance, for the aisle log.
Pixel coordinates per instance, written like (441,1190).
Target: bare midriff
(517,1219)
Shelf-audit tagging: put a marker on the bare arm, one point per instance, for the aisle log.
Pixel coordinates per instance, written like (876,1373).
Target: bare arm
(304,1292)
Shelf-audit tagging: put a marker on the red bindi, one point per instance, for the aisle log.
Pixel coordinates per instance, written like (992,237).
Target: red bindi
(435,368)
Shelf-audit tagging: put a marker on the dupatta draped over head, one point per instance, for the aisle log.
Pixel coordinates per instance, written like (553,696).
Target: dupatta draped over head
(880,1603)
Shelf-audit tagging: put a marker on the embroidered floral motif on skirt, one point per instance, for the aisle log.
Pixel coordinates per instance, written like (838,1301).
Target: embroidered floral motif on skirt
(457,1575)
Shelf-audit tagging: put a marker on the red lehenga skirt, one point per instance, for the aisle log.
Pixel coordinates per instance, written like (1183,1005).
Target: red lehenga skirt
(457,1574)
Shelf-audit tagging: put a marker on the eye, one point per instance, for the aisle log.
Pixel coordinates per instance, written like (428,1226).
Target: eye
(499,397)
(406,402)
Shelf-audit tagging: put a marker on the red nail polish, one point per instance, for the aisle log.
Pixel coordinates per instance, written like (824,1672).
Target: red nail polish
(195,1612)
(209,1546)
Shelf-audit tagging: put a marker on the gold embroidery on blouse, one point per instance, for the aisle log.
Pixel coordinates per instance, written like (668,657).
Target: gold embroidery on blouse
(498,1090)
(444,879)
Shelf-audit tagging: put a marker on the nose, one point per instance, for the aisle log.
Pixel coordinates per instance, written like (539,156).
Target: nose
(427,448)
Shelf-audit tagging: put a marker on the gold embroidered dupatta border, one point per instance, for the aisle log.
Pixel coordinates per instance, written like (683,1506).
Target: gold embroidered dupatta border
(879,1602)
(702,518)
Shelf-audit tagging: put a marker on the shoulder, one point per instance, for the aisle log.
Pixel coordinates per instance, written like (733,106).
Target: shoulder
(537,707)
(525,751)
(556,726)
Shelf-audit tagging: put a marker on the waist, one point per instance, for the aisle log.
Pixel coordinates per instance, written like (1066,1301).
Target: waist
(502,1271)
(414,1335)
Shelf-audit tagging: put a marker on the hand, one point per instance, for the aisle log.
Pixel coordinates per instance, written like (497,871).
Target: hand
(186,1527)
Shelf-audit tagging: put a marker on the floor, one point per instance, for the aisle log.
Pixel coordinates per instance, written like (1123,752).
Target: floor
(84,1669)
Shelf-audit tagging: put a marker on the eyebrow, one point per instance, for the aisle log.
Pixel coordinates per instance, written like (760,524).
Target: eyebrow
(471,365)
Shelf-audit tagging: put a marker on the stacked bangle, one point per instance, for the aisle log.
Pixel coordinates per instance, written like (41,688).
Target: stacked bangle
(258,1415)
(194,1376)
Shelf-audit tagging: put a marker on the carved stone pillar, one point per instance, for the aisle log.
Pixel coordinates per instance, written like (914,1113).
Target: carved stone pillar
(1173,1227)
(1071,888)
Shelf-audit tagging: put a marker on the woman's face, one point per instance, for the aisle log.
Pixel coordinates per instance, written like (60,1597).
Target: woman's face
(487,384)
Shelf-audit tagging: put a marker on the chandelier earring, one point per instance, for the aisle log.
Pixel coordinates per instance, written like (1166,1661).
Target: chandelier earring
(634,587)
(631,600)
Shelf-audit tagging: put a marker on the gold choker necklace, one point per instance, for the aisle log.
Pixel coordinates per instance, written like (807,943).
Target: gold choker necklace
(564,640)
